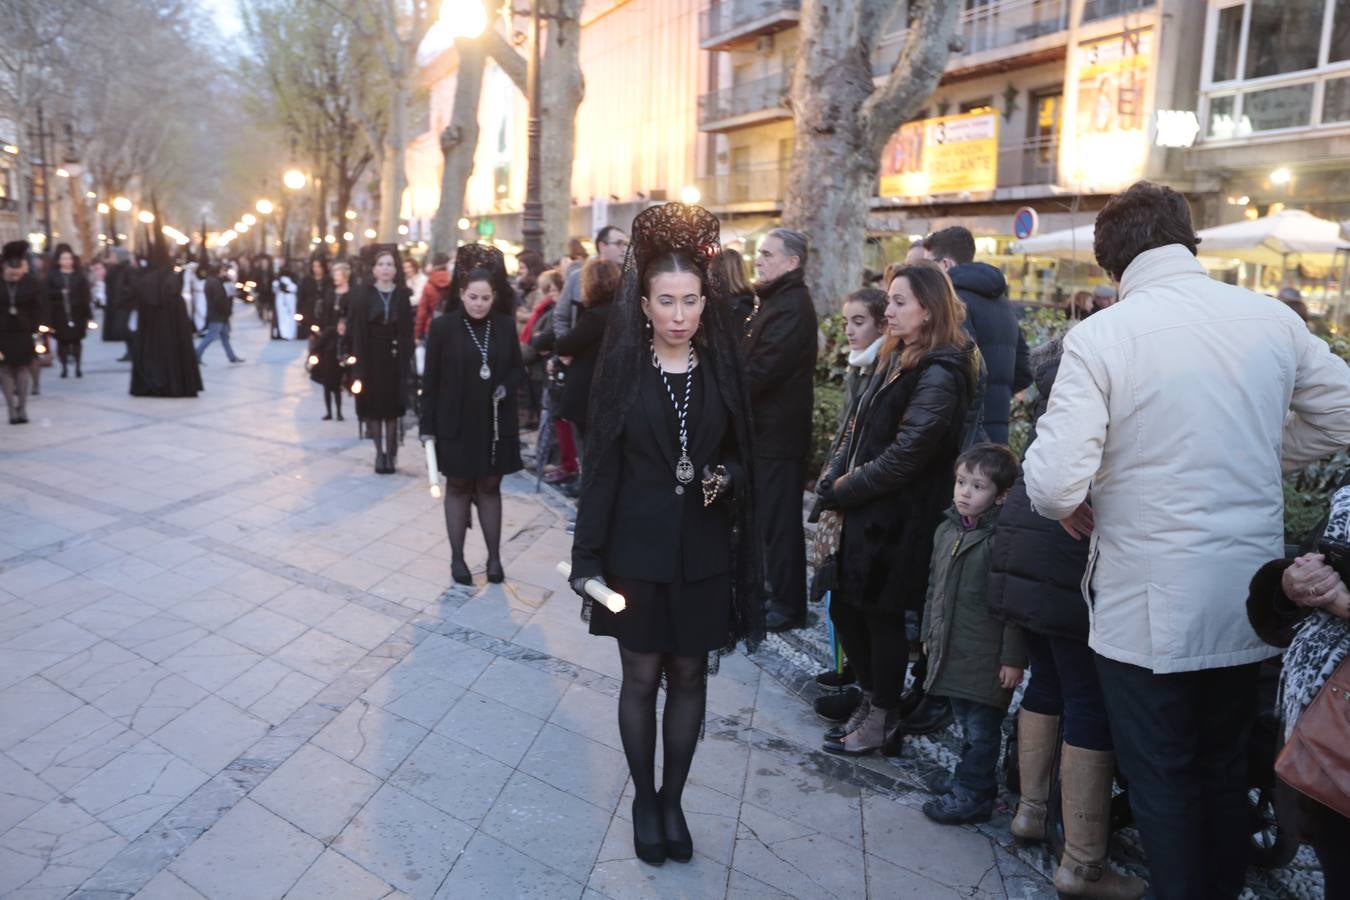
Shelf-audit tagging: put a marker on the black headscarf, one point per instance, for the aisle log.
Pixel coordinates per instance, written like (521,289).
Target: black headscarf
(470,258)
(691,230)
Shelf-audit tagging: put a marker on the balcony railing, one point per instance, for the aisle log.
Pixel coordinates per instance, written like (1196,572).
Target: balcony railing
(752,184)
(1105,9)
(743,101)
(1030,162)
(994,26)
(728,21)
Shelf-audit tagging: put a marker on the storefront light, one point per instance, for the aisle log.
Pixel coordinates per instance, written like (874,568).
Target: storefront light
(1281,176)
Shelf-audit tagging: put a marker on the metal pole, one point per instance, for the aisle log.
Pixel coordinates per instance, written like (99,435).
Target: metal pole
(42,136)
(532,226)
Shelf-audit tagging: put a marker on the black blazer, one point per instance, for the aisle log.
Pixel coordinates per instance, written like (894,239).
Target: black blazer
(583,344)
(780,365)
(632,522)
(364,309)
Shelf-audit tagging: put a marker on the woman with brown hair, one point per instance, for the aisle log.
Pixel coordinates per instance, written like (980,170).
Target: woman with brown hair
(380,326)
(580,347)
(731,271)
(891,478)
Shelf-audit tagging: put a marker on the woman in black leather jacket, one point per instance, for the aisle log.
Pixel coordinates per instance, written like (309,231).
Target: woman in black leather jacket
(892,476)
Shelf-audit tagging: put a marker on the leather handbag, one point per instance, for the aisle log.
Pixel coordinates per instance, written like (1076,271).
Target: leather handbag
(1316,761)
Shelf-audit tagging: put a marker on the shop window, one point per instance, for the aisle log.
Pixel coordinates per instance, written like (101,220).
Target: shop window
(1284,36)
(1275,108)
(1227,43)
(1336,102)
(1221,125)
(1339,48)
(984,104)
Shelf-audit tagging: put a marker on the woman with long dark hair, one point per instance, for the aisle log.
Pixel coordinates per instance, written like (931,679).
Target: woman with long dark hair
(379,326)
(473,368)
(314,289)
(667,514)
(891,478)
(579,349)
(70,307)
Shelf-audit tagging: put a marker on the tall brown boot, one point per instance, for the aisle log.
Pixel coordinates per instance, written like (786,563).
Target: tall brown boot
(1085,780)
(1037,737)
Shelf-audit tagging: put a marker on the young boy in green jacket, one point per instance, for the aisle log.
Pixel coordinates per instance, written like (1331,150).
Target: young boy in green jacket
(973,659)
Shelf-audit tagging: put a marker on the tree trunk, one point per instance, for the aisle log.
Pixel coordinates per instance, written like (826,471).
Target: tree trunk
(393,174)
(562,89)
(843,121)
(84,226)
(459,141)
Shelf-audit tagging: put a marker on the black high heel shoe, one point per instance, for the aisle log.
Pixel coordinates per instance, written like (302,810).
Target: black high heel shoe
(679,849)
(459,571)
(379,463)
(495,573)
(652,854)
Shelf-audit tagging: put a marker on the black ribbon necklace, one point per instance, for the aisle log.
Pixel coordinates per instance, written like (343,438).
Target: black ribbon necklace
(684,466)
(385,300)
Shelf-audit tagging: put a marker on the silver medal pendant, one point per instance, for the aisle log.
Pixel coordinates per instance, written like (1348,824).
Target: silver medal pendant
(684,469)
(484,373)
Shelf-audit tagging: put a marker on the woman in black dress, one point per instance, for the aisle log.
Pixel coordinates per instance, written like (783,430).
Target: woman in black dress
(314,288)
(666,513)
(327,312)
(70,308)
(379,324)
(473,369)
(579,349)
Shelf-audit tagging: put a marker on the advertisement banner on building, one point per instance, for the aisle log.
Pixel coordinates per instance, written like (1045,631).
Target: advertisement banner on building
(1113,76)
(947,155)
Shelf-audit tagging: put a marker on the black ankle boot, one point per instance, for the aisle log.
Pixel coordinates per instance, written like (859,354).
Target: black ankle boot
(495,573)
(380,463)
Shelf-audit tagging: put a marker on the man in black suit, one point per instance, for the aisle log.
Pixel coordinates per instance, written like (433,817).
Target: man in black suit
(780,360)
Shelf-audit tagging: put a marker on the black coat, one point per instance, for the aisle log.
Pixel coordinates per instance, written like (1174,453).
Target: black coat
(163,361)
(16,331)
(377,370)
(892,477)
(69,316)
(219,306)
(457,406)
(307,300)
(582,343)
(780,364)
(118,304)
(632,522)
(994,322)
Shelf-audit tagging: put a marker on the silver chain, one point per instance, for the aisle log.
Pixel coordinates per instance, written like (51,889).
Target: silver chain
(487,338)
(681,409)
(385,299)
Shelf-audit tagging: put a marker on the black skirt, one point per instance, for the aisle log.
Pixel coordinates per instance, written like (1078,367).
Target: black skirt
(328,370)
(684,618)
(381,394)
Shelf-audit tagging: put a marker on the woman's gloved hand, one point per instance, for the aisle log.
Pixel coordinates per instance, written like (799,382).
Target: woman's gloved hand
(578,585)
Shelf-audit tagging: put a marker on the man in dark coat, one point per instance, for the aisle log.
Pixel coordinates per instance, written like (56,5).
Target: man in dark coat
(780,361)
(219,306)
(993,320)
(163,363)
(20,314)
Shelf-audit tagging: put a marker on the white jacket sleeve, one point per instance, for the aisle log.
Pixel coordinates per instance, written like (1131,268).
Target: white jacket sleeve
(1070,435)
(1318,424)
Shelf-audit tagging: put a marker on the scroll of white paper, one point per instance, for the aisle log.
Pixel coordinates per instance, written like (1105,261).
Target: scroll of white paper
(599,591)
(433,471)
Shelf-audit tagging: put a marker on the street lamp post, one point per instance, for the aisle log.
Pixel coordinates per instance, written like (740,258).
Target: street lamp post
(40,137)
(532,224)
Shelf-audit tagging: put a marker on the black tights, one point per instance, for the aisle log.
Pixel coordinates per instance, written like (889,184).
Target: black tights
(331,396)
(385,434)
(878,649)
(686,698)
(486,494)
(67,349)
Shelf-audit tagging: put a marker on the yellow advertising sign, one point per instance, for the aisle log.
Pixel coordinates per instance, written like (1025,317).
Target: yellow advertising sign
(1113,75)
(947,155)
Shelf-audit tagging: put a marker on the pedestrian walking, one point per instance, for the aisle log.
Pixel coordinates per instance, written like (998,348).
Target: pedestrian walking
(1174,408)
(379,323)
(71,305)
(992,319)
(219,308)
(163,360)
(473,369)
(330,310)
(780,361)
(666,512)
(1035,579)
(413,276)
(436,297)
(891,478)
(578,351)
(736,285)
(314,287)
(19,316)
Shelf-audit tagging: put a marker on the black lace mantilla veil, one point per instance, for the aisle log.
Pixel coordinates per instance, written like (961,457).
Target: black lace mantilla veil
(626,349)
(484,256)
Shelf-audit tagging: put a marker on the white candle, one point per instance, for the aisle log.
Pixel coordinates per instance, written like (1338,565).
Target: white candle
(599,591)
(433,471)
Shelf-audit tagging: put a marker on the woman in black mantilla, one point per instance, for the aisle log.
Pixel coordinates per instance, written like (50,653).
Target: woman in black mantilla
(379,325)
(473,368)
(315,288)
(70,307)
(666,512)
(325,318)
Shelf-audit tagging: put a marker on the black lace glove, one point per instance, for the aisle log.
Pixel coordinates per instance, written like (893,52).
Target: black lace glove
(579,584)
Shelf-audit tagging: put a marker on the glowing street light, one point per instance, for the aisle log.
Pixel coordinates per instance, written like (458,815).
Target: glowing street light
(103,209)
(463,18)
(121,204)
(90,195)
(63,173)
(690,195)
(145,216)
(249,219)
(11,149)
(294,179)
(348,236)
(463,223)
(264,207)
(369,234)
(1281,176)
(349,215)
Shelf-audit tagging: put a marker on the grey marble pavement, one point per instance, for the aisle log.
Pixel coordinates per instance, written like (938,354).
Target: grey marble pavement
(231,667)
